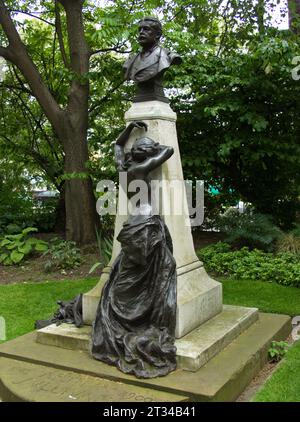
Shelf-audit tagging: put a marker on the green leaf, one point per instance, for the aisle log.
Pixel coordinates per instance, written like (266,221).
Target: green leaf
(29,230)
(7,261)
(5,242)
(16,257)
(94,267)
(3,256)
(25,249)
(41,246)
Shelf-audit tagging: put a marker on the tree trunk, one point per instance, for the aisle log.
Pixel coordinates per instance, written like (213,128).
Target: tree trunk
(81,215)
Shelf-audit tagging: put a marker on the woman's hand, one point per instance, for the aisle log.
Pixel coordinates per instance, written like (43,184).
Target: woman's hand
(139,125)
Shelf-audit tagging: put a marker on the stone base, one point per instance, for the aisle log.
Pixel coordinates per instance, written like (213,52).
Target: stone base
(193,350)
(199,298)
(66,336)
(202,344)
(30,371)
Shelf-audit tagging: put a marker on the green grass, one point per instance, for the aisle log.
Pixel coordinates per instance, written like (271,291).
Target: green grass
(22,304)
(284,385)
(268,297)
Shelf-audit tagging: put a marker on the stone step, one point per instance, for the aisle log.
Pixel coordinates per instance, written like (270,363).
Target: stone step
(202,344)
(223,378)
(66,336)
(23,381)
(193,350)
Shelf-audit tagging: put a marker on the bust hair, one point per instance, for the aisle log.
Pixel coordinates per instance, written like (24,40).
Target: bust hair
(155,23)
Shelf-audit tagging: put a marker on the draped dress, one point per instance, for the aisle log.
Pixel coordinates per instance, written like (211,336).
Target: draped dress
(135,322)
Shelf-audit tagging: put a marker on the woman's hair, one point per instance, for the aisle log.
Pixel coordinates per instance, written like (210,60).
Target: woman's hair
(146,144)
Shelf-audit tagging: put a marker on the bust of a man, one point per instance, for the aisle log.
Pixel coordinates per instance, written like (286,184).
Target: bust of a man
(147,67)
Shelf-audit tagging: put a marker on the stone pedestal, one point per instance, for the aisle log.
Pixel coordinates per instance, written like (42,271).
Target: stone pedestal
(199,298)
(194,350)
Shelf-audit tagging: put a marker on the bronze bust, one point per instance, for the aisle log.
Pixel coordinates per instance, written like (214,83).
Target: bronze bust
(147,67)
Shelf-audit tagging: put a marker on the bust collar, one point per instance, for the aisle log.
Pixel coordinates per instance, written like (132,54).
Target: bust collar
(150,51)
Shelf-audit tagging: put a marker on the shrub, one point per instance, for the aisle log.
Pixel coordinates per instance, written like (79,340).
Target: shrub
(289,243)
(105,247)
(296,230)
(251,230)
(277,351)
(14,248)
(26,212)
(283,268)
(63,254)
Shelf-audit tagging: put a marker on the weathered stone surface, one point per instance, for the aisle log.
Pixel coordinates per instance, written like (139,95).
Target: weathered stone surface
(193,350)
(22,381)
(199,297)
(223,378)
(199,346)
(66,336)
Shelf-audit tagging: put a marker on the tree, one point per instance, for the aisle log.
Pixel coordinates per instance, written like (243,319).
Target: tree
(243,126)
(76,35)
(239,109)
(294,13)
(70,123)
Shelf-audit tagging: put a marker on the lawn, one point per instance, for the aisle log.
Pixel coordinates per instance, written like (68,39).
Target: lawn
(22,304)
(284,385)
(268,297)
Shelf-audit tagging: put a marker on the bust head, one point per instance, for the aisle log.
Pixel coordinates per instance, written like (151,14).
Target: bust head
(143,148)
(150,32)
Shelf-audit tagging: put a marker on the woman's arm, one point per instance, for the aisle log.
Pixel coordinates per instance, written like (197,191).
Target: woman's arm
(153,162)
(121,141)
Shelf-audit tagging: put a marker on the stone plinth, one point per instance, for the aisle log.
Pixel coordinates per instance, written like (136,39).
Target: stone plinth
(199,346)
(223,378)
(199,297)
(193,350)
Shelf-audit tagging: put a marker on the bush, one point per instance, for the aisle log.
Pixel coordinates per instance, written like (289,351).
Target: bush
(283,268)
(289,243)
(296,230)
(251,230)
(14,248)
(63,254)
(25,212)
(277,351)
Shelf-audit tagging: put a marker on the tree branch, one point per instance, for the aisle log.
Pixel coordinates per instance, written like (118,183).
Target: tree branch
(18,88)
(116,48)
(31,15)
(42,161)
(59,33)
(23,61)
(6,53)
(106,50)
(105,98)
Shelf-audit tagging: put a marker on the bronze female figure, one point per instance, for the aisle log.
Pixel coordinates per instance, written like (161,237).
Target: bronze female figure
(135,323)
